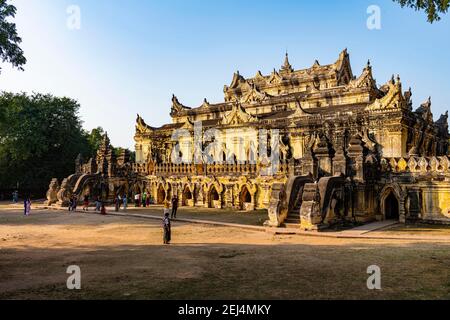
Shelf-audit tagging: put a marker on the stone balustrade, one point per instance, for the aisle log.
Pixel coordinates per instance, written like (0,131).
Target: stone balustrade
(170,169)
(418,165)
(140,168)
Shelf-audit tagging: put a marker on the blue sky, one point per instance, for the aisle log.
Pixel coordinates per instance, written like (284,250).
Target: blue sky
(130,56)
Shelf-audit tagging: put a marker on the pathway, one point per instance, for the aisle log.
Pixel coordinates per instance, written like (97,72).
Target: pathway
(367,231)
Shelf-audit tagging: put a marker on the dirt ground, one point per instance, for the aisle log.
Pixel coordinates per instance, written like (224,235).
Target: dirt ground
(420,230)
(123,258)
(255,218)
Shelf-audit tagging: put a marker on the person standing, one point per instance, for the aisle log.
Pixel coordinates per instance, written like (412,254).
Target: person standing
(144,199)
(117,203)
(27,206)
(75,203)
(125,202)
(137,198)
(103,210)
(174,207)
(16,196)
(98,205)
(71,203)
(86,203)
(167,229)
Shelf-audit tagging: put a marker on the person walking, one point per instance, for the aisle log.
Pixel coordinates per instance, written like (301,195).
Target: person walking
(27,206)
(174,207)
(167,229)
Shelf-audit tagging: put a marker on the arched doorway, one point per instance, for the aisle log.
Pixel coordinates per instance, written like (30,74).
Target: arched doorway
(244,198)
(391,208)
(214,198)
(161,195)
(188,200)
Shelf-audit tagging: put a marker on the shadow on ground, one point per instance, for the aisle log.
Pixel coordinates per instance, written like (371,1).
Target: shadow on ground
(229,271)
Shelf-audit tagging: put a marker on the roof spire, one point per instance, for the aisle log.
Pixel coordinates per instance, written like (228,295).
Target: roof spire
(287,68)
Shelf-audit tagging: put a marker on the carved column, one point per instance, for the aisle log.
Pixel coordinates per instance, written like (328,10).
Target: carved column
(324,155)
(356,158)
(228,196)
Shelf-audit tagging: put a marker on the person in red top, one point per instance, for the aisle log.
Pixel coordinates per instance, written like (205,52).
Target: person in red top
(103,210)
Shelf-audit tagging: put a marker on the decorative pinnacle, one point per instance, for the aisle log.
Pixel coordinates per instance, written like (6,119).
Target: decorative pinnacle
(286,66)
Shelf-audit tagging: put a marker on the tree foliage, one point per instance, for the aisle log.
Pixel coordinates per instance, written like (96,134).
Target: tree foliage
(9,39)
(95,138)
(40,137)
(433,8)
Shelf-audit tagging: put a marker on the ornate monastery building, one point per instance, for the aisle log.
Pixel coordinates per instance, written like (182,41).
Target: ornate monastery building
(348,150)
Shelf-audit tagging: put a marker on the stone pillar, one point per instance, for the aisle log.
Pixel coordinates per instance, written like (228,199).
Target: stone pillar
(297,143)
(228,196)
(200,195)
(339,162)
(356,156)
(324,157)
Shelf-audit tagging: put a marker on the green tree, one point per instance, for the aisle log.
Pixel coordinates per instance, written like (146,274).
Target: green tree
(40,137)
(95,138)
(9,39)
(433,8)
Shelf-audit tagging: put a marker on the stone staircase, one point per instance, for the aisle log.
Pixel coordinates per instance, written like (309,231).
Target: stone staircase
(293,219)
(295,201)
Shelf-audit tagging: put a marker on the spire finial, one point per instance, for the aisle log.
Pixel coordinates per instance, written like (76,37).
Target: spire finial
(286,66)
